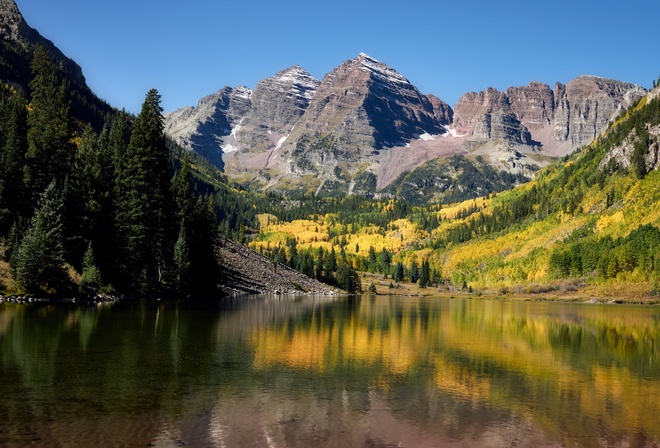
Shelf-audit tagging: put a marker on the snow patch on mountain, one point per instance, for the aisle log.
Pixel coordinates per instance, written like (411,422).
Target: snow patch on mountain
(425,136)
(451,132)
(280,143)
(229,148)
(243,92)
(297,81)
(237,128)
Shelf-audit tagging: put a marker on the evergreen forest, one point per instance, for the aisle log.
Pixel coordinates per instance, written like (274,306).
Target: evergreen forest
(89,209)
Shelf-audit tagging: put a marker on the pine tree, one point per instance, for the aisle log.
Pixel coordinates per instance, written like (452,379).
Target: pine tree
(308,265)
(200,226)
(373,261)
(81,205)
(101,205)
(292,249)
(182,189)
(13,242)
(330,263)
(13,146)
(40,258)
(424,274)
(118,140)
(320,255)
(640,151)
(398,272)
(91,275)
(348,279)
(385,260)
(144,202)
(182,265)
(49,150)
(203,242)
(414,272)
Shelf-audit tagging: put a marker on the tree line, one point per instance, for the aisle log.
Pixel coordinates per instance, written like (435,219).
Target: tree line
(584,254)
(105,206)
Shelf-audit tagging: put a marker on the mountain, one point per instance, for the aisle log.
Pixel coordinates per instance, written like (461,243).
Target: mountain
(365,129)
(203,128)
(18,42)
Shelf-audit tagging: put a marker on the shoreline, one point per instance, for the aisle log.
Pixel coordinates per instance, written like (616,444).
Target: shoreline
(427,294)
(576,291)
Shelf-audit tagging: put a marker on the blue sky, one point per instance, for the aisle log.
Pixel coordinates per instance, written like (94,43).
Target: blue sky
(190,49)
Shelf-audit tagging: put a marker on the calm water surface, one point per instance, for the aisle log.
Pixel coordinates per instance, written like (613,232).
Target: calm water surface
(369,372)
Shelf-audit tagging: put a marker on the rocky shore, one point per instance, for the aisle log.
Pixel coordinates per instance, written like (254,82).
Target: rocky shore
(248,272)
(92,298)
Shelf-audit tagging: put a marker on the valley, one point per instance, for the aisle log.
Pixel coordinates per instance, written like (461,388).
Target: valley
(520,191)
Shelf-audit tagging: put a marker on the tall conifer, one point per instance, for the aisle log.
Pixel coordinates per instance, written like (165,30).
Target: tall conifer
(49,135)
(13,146)
(144,202)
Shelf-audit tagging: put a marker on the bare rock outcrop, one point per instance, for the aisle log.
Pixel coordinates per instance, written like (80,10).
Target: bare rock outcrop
(488,115)
(622,155)
(558,121)
(277,105)
(586,106)
(533,105)
(443,111)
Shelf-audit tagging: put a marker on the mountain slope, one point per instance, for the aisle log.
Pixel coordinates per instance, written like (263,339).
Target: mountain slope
(18,42)
(590,219)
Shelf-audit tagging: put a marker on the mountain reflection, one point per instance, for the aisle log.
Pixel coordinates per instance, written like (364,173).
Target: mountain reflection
(293,372)
(570,369)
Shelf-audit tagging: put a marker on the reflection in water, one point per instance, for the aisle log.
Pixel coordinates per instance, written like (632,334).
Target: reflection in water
(312,372)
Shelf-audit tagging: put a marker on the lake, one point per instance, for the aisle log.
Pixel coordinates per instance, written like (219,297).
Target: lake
(373,371)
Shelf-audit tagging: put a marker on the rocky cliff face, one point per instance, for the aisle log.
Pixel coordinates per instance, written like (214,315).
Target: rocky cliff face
(239,119)
(442,111)
(646,137)
(364,125)
(488,115)
(558,120)
(203,128)
(586,105)
(277,105)
(533,105)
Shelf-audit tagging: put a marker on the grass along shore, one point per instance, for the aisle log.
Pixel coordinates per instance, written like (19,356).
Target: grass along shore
(575,290)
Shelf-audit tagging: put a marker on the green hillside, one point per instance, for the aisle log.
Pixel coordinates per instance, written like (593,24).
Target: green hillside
(588,225)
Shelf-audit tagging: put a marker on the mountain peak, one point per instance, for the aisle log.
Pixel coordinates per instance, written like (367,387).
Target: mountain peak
(295,74)
(382,71)
(12,23)
(365,56)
